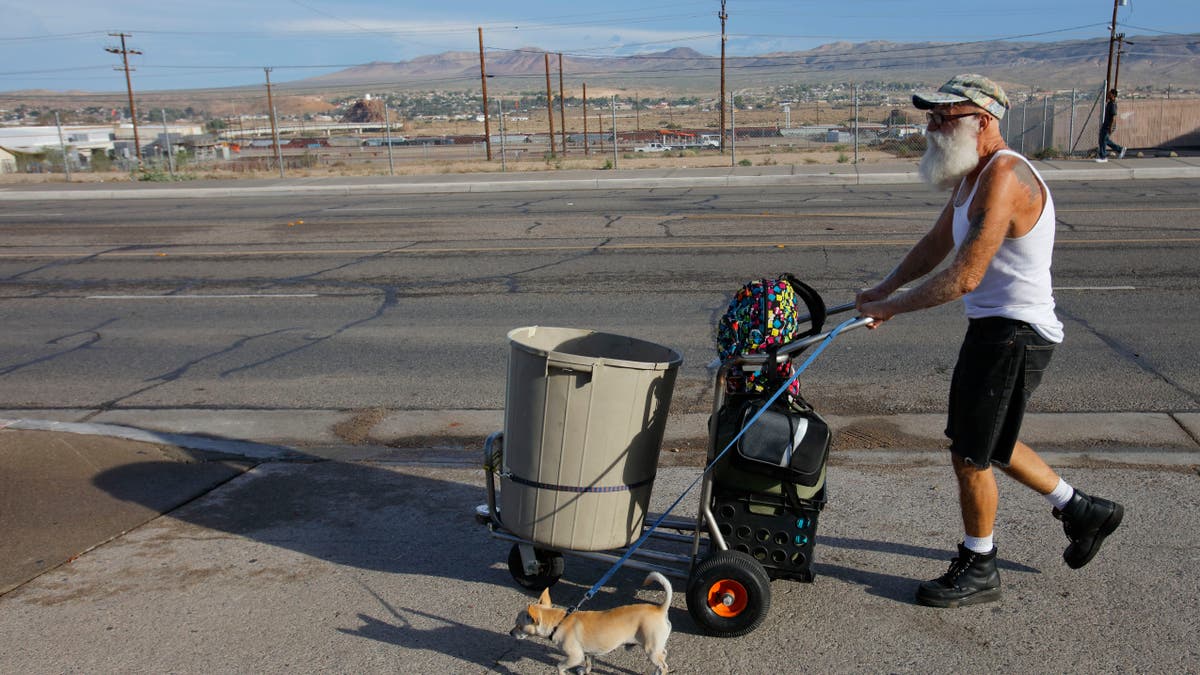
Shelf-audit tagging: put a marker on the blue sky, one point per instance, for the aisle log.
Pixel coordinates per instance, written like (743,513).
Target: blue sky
(213,43)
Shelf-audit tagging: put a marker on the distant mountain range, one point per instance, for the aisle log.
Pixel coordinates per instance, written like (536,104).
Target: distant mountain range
(1148,61)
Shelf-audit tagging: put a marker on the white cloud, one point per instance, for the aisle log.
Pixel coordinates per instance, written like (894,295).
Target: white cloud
(419,38)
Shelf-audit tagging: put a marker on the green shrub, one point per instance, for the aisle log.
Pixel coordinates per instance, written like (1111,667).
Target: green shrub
(157,175)
(745,162)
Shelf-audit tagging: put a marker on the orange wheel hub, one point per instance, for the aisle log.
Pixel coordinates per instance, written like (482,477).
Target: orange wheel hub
(727,598)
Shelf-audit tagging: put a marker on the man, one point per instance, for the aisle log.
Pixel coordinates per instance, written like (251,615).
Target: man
(1108,125)
(999,225)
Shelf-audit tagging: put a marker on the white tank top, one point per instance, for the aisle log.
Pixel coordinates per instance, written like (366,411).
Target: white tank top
(1017,283)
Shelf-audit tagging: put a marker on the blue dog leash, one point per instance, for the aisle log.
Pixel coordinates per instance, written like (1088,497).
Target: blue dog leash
(628,553)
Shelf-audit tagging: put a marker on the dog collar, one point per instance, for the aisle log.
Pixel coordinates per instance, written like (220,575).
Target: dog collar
(555,629)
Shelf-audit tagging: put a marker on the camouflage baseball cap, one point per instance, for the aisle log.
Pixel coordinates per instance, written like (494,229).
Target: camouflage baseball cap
(969,87)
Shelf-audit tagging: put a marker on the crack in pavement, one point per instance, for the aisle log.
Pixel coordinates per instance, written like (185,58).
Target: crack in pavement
(1130,355)
(93,334)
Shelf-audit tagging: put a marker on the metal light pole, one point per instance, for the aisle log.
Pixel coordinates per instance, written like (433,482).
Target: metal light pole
(500,105)
(1071,133)
(614,129)
(562,106)
(63,145)
(855,123)
(549,102)
(387,133)
(167,143)
(732,132)
(585,129)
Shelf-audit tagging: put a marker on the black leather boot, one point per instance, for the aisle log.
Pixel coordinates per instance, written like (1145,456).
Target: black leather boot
(971,579)
(1087,521)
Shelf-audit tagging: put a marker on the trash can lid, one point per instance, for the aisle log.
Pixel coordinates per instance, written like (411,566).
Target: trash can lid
(587,347)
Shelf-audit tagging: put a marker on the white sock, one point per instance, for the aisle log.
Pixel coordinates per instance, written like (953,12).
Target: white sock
(978,544)
(1060,495)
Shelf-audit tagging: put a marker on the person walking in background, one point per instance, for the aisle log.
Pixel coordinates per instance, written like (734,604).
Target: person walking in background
(998,229)
(1108,124)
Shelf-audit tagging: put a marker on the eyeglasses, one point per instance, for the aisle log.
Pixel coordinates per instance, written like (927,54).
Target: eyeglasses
(938,119)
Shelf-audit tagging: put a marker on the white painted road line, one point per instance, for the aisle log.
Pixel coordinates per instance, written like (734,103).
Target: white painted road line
(370,208)
(1095,288)
(206,297)
(28,215)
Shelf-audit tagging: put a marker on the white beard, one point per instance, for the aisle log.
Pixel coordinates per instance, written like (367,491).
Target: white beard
(950,156)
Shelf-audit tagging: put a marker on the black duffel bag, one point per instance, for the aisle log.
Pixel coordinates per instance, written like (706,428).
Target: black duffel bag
(788,442)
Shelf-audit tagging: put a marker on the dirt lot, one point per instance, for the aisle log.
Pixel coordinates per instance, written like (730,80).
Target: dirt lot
(374,162)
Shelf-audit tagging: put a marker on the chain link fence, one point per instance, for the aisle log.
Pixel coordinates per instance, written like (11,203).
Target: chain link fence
(1062,124)
(850,124)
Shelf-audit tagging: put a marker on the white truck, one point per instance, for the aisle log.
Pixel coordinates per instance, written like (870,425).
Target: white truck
(652,147)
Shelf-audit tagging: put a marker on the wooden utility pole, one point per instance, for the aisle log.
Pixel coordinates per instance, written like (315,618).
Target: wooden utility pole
(549,102)
(585,134)
(487,129)
(723,16)
(562,106)
(125,52)
(1112,36)
(274,128)
(1121,42)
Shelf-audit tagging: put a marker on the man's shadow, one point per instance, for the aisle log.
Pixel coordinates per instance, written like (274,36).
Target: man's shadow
(890,586)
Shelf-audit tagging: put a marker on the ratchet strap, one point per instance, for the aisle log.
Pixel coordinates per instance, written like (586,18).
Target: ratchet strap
(624,487)
(629,552)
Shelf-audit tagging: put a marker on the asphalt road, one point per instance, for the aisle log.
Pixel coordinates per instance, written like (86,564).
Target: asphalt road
(404,302)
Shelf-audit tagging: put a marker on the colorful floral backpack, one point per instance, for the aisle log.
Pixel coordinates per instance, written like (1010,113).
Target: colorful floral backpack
(762,316)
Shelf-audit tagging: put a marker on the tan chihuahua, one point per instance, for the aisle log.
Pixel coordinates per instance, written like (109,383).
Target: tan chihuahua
(583,634)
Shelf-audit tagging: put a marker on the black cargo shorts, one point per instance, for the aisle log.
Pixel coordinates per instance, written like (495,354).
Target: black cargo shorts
(1000,363)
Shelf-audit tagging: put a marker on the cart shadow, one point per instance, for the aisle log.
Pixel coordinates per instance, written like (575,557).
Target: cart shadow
(368,516)
(396,519)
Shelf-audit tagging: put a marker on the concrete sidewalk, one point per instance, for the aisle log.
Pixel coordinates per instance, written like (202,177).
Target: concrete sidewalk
(377,565)
(891,172)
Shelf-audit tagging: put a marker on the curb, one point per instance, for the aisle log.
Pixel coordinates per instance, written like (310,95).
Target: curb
(246,449)
(280,435)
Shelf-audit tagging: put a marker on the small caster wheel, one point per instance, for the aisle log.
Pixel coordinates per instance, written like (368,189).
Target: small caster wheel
(550,566)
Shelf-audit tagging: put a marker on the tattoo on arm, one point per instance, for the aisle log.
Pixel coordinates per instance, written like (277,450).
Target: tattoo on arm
(974,228)
(1033,188)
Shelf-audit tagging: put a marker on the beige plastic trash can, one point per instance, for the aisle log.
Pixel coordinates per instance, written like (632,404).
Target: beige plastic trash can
(583,423)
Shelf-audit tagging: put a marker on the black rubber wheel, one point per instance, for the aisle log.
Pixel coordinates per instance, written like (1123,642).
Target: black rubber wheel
(550,569)
(729,594)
